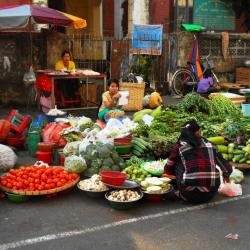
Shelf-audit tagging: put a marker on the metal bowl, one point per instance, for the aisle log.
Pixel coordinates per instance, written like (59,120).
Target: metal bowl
(123,205)
(94,194)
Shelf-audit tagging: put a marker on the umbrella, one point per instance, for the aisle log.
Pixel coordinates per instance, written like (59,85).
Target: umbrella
(23,16)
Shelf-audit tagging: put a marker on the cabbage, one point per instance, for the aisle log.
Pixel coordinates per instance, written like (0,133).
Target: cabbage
(71,148)
(236,176)
(75,164)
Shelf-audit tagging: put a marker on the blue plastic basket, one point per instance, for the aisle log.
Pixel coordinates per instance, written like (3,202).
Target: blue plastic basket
(245,107)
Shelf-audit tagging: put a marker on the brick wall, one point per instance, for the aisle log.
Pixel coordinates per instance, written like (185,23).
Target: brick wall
(161,12)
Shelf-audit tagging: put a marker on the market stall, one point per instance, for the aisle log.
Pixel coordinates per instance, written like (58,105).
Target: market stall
(124,161)
(92,85)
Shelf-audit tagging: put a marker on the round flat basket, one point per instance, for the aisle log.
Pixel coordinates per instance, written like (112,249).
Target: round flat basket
(43,192)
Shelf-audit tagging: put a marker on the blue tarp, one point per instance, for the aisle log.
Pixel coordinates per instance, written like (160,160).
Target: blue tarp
(147,39)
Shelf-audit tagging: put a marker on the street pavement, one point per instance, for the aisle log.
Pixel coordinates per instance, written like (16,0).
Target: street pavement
(76,221)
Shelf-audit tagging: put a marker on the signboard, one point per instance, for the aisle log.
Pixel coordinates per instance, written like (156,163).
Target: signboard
(215,14)
(147,39)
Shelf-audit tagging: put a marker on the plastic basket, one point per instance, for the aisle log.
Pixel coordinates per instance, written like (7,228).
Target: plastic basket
(245,109)
(136,94)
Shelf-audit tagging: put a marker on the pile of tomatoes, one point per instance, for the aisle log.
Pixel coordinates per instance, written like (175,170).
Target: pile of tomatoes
(35,178)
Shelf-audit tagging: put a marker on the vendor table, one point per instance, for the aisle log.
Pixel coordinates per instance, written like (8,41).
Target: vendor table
(86,78)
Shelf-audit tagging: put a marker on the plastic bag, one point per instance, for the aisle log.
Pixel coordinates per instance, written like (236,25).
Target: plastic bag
(75,164)
(29,78)
(71,148)
(7,158)
(51,133)
(230,189)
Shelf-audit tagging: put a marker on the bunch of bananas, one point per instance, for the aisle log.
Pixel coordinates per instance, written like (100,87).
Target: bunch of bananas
(140,147)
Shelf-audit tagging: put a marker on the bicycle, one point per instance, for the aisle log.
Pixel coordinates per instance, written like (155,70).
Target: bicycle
(185,80)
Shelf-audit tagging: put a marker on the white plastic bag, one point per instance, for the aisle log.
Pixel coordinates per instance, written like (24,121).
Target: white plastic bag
(230,189)
(29,78)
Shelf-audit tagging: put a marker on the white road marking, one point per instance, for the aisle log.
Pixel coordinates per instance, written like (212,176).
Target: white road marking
(62,235)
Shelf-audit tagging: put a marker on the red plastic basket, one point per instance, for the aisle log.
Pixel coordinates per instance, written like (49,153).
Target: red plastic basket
(115,178)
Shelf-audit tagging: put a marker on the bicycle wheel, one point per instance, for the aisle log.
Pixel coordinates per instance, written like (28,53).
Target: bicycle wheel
(183,81)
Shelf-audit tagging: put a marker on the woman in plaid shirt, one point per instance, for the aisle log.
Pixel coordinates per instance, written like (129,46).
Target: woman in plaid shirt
(193,161)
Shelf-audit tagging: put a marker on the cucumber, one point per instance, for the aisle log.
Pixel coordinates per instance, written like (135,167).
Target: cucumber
(243,160)
(139,149)
(136,143)
(222,148)
(217,140)
(140,140)
(225,156)
(237,158)
(136,153)
(239,152)
(230,157)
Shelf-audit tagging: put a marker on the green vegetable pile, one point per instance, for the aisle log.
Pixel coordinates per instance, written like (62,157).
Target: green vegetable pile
(101,156)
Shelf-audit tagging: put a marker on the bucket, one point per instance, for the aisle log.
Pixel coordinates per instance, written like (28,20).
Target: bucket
(34,137)
(44,156)
(245,107)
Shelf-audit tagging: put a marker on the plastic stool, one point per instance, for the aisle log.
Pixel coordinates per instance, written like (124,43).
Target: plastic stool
(18,122)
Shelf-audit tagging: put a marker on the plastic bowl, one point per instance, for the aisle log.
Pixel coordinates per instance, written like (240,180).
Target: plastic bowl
(17,197)
(113,177)
(45,147)
(125,149)
(123,205)
(157,197)
(122,141)
(51,118)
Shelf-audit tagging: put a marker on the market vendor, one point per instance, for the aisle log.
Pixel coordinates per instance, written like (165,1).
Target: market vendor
(109,106)
(68,87)
(207,85)
(193,161)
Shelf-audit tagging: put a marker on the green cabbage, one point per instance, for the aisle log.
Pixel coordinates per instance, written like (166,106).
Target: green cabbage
(75,164)
(236,176)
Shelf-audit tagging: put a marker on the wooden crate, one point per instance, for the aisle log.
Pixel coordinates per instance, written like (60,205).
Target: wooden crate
(243,76)
(91,101)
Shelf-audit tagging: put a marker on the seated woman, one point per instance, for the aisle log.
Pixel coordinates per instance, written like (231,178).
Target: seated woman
(206,84)
(67,86)
(193,161)
(109,106)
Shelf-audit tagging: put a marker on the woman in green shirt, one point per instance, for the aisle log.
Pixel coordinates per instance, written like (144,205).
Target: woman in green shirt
(110,99)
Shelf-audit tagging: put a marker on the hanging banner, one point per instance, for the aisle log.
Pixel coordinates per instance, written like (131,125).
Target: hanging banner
(147,39)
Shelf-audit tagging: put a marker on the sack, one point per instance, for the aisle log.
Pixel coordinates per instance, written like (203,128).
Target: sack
(29,78)
(230,189)
(51,134)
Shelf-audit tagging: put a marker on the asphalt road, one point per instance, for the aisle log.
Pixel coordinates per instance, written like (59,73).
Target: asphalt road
(76,221)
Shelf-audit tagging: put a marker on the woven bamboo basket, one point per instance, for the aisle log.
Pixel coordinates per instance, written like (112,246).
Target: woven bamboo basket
(136,94)
(240,165)
(43,192)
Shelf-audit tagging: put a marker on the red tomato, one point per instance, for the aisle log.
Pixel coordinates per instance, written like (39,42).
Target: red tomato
(59,184)
(52,185)
(31,180)
(9,185)
(41,187)
(4,182)
(37,181)
(47,186)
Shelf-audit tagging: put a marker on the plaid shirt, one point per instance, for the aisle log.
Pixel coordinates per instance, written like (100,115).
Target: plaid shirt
(199,165)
